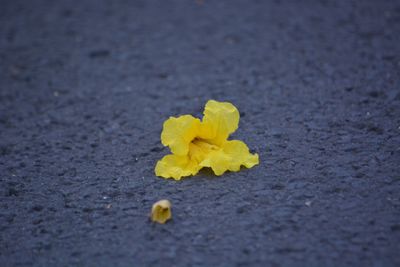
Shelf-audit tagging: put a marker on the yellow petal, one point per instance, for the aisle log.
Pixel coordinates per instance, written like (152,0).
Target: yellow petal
(219,121)
(178,132)
(217,160)
(240,155)
(231,156)
(173,166)
(161,211)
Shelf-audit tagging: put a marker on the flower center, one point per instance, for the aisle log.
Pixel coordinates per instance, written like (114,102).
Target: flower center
(199,148)
(203,144)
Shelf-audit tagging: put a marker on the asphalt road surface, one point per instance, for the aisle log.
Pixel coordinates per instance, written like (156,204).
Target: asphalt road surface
(85,87)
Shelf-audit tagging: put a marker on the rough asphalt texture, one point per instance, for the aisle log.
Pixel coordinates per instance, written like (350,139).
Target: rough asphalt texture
(87,85)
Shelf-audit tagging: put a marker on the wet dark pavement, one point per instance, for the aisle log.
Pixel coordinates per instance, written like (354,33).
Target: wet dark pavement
(85,87)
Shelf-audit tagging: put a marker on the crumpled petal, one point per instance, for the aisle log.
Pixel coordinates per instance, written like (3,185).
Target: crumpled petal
(231,156)
(217,160)
(240,155)
(179,132)
(219,121)
(161,211)
(174,166)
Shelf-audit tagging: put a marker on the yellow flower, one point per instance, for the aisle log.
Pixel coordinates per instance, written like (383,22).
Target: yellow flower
(196,144)
(161,211)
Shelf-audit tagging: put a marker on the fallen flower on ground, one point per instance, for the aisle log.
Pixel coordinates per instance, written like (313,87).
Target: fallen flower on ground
(161,211)
(196,144)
